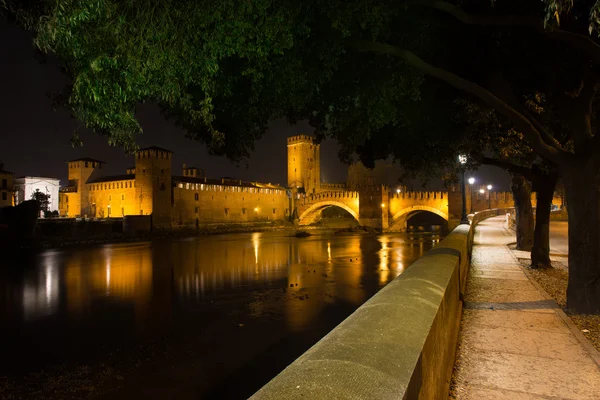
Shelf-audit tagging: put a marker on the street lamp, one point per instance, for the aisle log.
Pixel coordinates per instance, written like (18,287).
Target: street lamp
(489,188)
(471,182)
(462,159)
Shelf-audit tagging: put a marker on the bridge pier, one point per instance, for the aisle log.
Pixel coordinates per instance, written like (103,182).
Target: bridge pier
(373,207)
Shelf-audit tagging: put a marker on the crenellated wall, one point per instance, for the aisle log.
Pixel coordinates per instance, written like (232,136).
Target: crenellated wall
(199,203)
(404,205)
(309,207)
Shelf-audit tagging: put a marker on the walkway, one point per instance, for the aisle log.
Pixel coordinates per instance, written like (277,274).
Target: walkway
(515,342)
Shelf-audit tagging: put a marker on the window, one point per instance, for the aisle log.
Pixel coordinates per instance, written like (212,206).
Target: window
(227,211)
(162,186)
(4,184)
(162,171)
(86,164)
(109,197)
(196,196)
(243,211)
(274,211)
(196,210)
(122,197)
(121,185)
(141,212)
(108,211)
(3,195)
(66,199)
(122,211)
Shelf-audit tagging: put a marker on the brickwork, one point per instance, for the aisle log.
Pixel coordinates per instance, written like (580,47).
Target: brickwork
(200,203)
(309,207)
(404,205)
(304,164)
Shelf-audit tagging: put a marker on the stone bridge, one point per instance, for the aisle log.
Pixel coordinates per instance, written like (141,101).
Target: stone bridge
(309,207)
(379,208)
(405,205)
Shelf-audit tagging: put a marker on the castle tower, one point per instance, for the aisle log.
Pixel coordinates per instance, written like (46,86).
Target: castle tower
(304,164)
(81,171)
(153,184)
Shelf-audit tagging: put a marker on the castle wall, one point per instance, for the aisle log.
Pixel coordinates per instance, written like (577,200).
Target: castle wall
(207,203)
(112,199)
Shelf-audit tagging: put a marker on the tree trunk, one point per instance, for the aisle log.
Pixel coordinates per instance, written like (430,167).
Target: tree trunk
(582,181)
(540,253)
(523,212)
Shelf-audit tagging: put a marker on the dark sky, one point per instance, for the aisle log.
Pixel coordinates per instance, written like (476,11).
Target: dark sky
(35,139)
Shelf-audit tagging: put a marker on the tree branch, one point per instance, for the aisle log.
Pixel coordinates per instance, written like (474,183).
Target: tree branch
(508,166)
(521,123)
(584,43)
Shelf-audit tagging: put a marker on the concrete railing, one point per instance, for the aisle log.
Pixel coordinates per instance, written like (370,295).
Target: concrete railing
(399,344)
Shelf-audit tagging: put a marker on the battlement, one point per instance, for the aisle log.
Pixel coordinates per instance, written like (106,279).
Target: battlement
(154,151)
(300,139)
(324,196)
(418,195)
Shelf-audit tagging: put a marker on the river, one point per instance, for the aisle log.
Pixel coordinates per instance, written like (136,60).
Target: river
(201,317)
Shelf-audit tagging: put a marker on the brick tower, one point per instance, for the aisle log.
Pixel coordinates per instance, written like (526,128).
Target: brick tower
(153,184)
(304,164)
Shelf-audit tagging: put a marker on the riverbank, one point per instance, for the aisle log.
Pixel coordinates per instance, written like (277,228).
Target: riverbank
(114,238)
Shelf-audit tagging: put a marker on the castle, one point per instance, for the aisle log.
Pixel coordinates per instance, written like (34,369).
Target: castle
(191,199)
(150,188)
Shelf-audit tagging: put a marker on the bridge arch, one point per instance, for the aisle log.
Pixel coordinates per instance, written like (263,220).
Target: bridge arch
(312,213)
(399,220)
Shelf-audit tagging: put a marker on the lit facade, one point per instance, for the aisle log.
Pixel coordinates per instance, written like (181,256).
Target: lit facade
(26,186)
(150,188)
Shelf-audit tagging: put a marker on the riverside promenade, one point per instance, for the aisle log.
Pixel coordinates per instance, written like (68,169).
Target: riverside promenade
(515,342)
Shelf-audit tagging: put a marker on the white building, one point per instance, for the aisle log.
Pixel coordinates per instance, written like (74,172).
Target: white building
(27,185)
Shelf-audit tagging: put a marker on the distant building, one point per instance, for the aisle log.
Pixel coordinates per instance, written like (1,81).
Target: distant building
(26,186)
(6,187)
(150,188)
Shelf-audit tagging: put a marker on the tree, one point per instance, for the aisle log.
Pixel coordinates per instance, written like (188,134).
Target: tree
(223,69)
(42,200)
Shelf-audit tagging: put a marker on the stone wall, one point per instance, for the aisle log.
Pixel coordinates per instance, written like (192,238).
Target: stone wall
(406,204)
(205,204)
(113,199)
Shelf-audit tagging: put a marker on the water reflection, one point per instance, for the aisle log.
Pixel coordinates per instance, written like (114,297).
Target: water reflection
(125,291)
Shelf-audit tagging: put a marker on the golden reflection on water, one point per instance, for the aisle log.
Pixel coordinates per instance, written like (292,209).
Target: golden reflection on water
(298,278)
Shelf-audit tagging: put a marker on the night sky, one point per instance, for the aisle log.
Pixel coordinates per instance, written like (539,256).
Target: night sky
(36,139)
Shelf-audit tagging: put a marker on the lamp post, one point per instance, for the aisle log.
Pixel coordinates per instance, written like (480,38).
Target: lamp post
(471,182)
(489,188)
(462,159)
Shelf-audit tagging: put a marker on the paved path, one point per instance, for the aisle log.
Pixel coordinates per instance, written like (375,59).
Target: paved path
(515,342)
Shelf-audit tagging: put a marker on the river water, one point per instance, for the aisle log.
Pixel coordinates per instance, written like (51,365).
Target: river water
(202,317)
